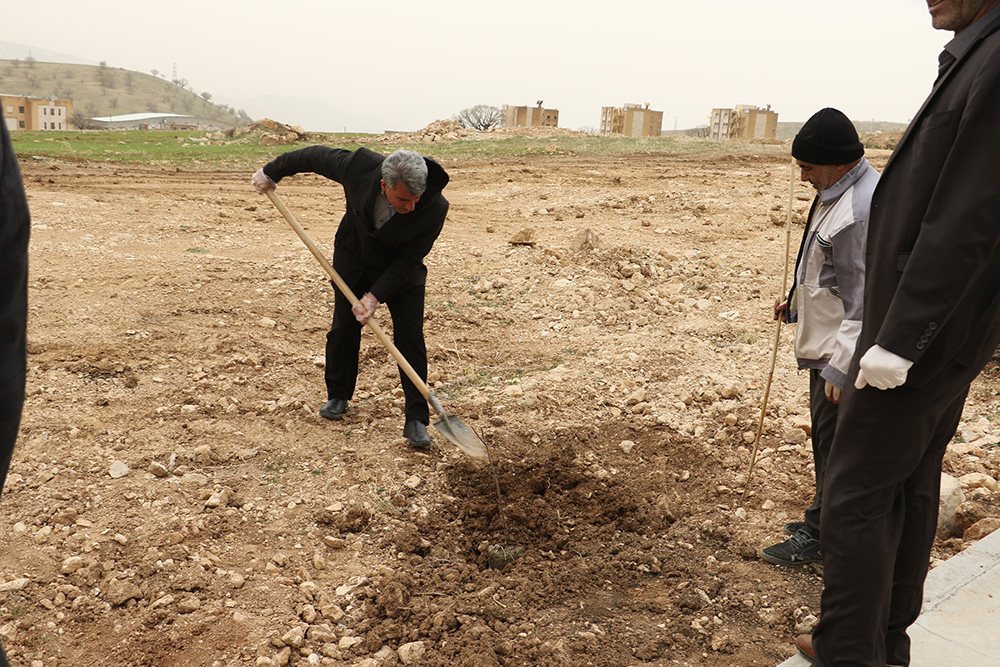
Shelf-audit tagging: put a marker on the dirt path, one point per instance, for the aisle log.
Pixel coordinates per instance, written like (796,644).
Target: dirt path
(177,326)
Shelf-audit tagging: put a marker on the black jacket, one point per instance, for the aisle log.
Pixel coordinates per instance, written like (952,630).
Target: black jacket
(14,229)
(933,258)
(392,257)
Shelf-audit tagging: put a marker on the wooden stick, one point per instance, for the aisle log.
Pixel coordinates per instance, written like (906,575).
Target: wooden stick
(777,333)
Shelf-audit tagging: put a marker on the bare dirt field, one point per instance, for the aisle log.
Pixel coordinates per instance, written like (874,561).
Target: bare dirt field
(176,500)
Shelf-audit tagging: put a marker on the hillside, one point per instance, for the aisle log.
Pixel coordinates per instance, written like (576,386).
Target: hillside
(99,90)
(787,131)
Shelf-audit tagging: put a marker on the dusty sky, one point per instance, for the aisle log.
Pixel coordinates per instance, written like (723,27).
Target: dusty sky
(373,65)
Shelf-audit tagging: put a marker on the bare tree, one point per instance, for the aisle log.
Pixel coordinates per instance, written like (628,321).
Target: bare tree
(30,60)
(207,97)
(154,72)
(480,117)
(82,122)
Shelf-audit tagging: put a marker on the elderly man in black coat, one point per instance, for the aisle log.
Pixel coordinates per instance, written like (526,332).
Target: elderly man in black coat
(931,322)
(394,212)
(14,228)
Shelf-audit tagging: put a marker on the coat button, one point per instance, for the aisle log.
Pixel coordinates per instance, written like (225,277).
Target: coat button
(929,332)
(920,346)
(932,326)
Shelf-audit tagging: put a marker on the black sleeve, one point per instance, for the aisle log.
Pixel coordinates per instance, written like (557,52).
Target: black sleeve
(15,224)
(323,160)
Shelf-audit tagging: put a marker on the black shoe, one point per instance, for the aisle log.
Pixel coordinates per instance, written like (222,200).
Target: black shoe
(794,527)
(799,549)
(416,432)
(333,409)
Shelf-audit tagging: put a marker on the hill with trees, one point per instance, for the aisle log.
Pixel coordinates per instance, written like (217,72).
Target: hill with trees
(100,90)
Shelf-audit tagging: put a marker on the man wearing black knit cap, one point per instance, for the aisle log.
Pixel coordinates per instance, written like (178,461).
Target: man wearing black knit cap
(827,295)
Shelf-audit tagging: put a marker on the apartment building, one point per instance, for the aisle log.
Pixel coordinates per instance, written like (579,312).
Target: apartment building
(530,116)
(743,122)
(632,120)
(26,112)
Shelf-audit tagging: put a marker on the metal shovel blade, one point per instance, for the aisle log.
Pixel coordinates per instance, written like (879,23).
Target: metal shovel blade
(464,437)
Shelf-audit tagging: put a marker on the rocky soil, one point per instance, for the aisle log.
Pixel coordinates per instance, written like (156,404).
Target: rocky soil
(602,322)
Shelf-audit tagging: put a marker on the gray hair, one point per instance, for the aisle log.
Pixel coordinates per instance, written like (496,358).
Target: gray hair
(406,166)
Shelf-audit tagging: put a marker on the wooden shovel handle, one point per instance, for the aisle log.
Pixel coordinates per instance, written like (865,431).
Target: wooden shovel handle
(343,287)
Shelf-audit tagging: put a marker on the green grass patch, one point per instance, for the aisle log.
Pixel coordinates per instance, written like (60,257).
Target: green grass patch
(206,150)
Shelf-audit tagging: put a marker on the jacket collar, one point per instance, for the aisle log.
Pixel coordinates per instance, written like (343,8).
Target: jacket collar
(990,24)
(834,192)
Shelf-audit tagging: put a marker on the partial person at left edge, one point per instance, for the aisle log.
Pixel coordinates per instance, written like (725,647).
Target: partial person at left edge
(395,211)
(15,224)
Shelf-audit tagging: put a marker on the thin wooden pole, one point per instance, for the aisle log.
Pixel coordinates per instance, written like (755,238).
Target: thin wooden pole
(777,333)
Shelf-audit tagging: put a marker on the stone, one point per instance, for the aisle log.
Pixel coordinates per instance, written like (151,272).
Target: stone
(158,469)
(978,480)
(119,592)
(524,237)
(296,636)
(15,585)
(981,529)
(411,653)
(585,241)
(188,605)
(118,469)
(794,436)
(71,565)
(951,497)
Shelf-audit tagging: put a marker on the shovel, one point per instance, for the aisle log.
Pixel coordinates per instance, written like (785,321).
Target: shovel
(449,426)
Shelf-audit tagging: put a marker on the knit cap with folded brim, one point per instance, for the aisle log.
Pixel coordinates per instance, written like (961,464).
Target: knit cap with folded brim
(828,137)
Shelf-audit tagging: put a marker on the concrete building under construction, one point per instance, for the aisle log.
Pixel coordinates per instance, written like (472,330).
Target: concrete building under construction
(27,112)
(743,122)
(525,116)
(631,120)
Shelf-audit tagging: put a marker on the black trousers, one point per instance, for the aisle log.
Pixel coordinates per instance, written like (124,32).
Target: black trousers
(824,425)
(879,518)
(343,343)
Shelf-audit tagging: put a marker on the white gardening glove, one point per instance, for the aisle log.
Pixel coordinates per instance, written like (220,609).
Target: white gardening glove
(882,369)
(832,392)
(364,308)
(262,182)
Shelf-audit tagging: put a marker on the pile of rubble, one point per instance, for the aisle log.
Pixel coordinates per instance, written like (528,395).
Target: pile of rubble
(269,133)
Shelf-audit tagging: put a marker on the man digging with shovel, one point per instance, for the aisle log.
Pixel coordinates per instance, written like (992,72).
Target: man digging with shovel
(394,213)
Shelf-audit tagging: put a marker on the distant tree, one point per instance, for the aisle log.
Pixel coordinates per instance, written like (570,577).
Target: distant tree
(32,80)
(207,97)
(82,121)
(154,72)
(90,109)
(480,117)
(30,61)
(113,102)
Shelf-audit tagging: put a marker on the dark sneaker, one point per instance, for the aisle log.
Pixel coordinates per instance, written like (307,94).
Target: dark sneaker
(799,549)
(416,432)
(794,527)
(333,409)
